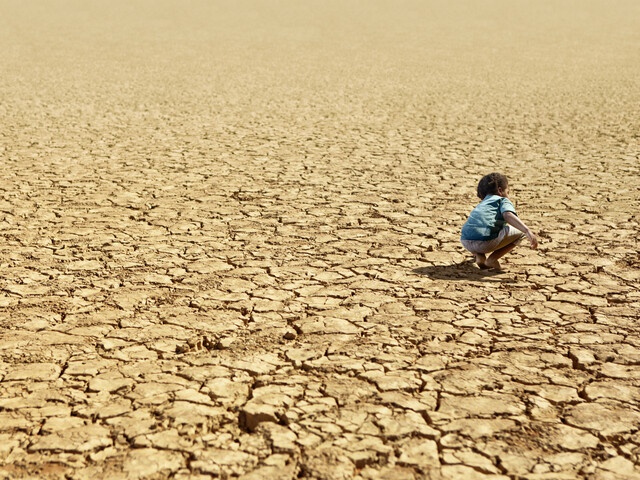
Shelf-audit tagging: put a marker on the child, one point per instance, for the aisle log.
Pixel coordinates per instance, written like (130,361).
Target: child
(494,226)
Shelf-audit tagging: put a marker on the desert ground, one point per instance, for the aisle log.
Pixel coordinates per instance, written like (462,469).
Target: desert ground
(230,240)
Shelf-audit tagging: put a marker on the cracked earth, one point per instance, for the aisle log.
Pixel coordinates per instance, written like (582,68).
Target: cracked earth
(230,240)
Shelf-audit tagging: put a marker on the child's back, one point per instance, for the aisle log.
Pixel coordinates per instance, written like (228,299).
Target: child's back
(487,219)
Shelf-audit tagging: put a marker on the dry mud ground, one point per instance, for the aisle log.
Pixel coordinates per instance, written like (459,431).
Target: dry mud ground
(230,240)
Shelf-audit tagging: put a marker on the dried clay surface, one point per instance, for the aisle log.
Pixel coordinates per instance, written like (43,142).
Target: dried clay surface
(230,240)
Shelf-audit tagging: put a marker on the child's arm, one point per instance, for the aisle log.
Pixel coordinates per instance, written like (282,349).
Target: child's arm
(514,221)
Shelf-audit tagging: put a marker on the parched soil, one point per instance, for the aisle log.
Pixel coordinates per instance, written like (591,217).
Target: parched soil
(230,240)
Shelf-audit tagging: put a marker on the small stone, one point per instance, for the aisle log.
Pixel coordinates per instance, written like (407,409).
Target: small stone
(290,335)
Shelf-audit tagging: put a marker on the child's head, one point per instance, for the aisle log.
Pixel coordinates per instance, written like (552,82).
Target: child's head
(493,184)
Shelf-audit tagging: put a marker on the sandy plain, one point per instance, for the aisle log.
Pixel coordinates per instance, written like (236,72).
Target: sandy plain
(230,240)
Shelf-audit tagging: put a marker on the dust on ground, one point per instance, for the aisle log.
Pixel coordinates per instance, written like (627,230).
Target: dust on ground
(230,240)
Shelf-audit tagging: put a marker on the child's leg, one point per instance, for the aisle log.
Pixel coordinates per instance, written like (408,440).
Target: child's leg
(481,258)
(492,261)
(509,238)
(478,248)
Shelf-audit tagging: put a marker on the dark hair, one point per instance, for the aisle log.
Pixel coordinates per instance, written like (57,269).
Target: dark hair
(489,184)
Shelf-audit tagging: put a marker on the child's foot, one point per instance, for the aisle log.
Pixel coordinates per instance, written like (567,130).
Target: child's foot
(493,264)
(481,259)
